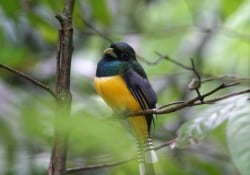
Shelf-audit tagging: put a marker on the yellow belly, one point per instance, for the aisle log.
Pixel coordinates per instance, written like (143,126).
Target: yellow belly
(116,94)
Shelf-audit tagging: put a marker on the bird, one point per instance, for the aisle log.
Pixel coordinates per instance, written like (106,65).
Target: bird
(123,84)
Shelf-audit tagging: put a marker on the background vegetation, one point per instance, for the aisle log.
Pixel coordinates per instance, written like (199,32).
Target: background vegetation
(214,33)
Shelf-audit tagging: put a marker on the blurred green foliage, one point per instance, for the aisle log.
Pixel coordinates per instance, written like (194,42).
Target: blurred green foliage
(215,34)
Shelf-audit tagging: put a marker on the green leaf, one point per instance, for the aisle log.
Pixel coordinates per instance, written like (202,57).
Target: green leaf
(100,11)
(229,8)
(11,8)
(198,128)
(8,142)
(238,138)
(231,44)
(15,58)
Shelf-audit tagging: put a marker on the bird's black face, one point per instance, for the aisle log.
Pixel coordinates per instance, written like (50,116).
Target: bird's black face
(121,51)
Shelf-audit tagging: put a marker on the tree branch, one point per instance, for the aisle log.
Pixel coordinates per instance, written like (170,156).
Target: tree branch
(58,157)
(165,57)
(193,85)
(58,58)
(226,77)
(116,163)
(102,35)
(29,78)
(91,167)
(226,96)
(192,102)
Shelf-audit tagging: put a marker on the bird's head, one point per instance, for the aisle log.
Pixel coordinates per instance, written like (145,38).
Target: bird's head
(120,51)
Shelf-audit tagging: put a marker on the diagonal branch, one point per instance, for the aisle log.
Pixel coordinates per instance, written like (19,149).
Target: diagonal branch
(226,77)
(102,35)
(91,167)
(165,57)
(192,102)
(116,163)
(29,78)
(226,96)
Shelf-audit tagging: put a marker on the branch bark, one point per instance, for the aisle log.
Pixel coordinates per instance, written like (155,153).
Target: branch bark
(192,102)
(116,163)
(64,53)
(91,167)
(29,78)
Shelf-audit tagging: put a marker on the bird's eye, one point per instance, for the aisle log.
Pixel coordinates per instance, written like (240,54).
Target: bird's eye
(124,55)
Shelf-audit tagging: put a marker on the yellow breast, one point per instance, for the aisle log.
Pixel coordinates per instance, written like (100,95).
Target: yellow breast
(115,93)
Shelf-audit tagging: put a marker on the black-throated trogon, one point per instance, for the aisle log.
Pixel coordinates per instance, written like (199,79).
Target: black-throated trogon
(122,83)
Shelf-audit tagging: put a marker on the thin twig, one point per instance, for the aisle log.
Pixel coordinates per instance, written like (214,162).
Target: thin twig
(195,71)
(222,86)
(91,167)
(116,163)
(102,35)
(166,144)
(29,78)
(173,61)
(191,102)
(150,63)
(226,77)
(198,84)
(170,104)
(199,94)
(226,96)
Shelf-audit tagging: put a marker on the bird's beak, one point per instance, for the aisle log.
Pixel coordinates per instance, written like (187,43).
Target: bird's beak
(111,52)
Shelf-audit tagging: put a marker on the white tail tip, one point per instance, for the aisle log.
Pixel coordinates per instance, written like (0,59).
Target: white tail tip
(142,169)
(151,156)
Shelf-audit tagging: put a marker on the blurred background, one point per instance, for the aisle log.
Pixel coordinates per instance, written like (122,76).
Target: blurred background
(215,34)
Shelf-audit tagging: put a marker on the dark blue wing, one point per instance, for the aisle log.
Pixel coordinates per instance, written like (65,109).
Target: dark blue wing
(141,89)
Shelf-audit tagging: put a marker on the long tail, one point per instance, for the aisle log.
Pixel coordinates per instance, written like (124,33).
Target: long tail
(146,156)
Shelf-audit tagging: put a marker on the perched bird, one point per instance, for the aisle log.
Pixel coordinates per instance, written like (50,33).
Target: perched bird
(123,84)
